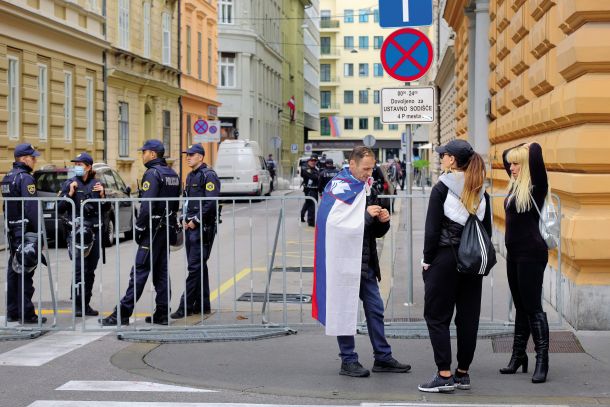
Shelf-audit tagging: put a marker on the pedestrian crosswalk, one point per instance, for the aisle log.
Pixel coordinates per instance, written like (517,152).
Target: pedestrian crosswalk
(128,386)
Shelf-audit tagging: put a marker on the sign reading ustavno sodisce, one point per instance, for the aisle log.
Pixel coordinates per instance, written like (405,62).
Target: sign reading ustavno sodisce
(407,105)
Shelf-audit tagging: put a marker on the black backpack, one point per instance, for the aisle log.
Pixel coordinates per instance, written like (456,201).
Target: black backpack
(476,254)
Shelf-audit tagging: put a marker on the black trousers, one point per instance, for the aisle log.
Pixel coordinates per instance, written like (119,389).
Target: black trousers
(90,262)
(309,206)
(525,282)
(19,286)
(446,290)
(197,254)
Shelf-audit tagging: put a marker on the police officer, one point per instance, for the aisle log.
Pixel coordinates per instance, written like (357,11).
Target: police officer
(328,173)
(21,217)
(271,167)
(199,221)
(311,177)
(79,188)
(159,181)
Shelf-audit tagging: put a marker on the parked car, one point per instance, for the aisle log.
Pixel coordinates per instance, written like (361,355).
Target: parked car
(242,169)
(49,180)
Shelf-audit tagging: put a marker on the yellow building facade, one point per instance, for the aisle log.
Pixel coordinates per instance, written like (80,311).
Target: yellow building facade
(143,87)
(51,79)
(548,82)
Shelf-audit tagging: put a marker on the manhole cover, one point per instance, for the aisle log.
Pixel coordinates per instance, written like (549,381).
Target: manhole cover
(275,297)
(559,342)
(294,269)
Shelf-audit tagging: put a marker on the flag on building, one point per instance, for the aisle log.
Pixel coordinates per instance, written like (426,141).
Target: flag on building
(292,106)
(333,121)
(338,254)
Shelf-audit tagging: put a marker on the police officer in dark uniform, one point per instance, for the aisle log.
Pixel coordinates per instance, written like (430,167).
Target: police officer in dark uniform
(199,221)
(159,181)
(328,173)
(21,217)
(311,177)
(271,167)
(79,188)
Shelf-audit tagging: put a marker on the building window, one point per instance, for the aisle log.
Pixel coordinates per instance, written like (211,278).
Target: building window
(377,125)
(348,42)
(123,129)
(377,70)
(393,127)
(68,106)
(324,126)
(325,45)
(325,99)
(146,29)
(376,95)
(43,102)
(348,16)
(188,49)
(324,15)
(124,24)
(363,70)
(348,96)
(90,108)
(209,60)
(13,97)
(227,70)
(363,123)
(363,97)
(225,9)
(167,132)
(348,123)
(363,15)
(377,41)
(348,70)
(324,72)
(93,5)
(376,15)
(167,38)
(363,42)
(199,55)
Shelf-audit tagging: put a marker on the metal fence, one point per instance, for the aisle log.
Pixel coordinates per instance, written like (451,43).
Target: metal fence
(260,273)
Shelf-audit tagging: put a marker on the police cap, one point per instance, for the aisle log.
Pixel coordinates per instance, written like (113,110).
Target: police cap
(195,149)
(22,150)
(83,158)
(153,145)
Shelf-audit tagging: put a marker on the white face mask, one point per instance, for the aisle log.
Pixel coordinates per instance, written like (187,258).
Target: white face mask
(79,171)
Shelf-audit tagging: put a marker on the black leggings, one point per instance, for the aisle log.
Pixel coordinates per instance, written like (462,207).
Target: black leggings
(525,282)
(446,290)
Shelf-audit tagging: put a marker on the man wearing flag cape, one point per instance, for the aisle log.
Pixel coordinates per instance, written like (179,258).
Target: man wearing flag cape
(346,266)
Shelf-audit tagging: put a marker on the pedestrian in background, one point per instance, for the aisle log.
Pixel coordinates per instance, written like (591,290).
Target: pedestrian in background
(328,173)
(22,219)
(458,194)
(271,166)
(311,177)
(527,255)
(199,222)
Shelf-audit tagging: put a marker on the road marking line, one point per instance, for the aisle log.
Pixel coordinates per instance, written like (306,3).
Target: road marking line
(48,348)
(100,385)
(66,403)
(229,283)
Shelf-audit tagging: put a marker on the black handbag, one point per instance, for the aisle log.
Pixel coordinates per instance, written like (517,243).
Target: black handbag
(476,254)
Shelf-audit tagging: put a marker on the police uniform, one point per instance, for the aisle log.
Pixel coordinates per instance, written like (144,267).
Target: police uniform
(271,168)
(327,174)
(84,191)
(21,217)
(200,183)
(159,181)
(311,178)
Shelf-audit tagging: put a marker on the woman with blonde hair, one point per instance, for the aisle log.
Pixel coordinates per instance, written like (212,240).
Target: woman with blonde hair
(527,255)
(459,193)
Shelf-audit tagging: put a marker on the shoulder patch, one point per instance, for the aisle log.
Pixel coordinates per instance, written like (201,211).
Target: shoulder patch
(32,189)
(145,186)
(210,186)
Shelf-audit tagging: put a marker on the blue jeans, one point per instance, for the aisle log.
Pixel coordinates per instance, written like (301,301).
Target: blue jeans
(373,311)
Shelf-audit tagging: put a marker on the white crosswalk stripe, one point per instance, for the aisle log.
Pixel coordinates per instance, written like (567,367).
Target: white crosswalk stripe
(63,403)
(129,386)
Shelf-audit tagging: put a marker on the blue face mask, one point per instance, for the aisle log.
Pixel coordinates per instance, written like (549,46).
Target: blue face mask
(79,171)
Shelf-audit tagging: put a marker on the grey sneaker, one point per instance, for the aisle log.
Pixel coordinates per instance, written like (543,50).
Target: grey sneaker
(438,384)
(463,382)
(353,369)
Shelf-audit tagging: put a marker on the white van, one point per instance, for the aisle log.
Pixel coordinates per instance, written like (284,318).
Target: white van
(242,169)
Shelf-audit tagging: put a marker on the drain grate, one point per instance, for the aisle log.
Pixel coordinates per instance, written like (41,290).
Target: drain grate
(559,342)
(211,334)
(402,320)
(294,269)
(19,335)
(276,297)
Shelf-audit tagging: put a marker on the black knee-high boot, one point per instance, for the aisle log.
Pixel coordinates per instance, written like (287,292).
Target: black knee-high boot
(540,334)
(519,356)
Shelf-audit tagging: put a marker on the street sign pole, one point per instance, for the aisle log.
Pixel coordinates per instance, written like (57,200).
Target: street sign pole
(409,206)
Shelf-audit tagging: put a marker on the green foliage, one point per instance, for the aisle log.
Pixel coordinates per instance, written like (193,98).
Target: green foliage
(421,164)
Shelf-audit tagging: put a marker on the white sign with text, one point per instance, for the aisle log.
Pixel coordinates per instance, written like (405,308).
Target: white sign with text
(408,105)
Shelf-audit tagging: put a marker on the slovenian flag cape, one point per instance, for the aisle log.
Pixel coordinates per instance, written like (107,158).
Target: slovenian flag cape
(338,254)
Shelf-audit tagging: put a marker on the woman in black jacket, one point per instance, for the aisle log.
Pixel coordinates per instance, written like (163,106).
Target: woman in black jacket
(527,255)
(458,194)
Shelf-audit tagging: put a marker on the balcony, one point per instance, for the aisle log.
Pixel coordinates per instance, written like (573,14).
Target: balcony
(329,108)
(329,26)
(329,53)
(329,81)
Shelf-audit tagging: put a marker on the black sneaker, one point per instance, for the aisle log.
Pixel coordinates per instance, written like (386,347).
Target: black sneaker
(438,384)
(90,312)
(462,381)
(390,366)
(354,369)
(157,319)
(111,320)
(32,319)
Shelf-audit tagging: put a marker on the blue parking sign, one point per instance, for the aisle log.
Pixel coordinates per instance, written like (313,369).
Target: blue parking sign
(405,13)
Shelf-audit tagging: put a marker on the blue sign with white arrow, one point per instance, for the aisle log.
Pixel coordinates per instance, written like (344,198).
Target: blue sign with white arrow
(405,13)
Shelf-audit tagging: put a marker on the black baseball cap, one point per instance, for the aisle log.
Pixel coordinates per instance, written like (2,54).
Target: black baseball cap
(460,149)
(83,158)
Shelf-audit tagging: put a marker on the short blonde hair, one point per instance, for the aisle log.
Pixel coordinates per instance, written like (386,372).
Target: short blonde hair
(520,188)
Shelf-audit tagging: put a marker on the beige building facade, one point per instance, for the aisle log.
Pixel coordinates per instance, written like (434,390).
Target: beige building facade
(548,81)
(143,88)
(51,79)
